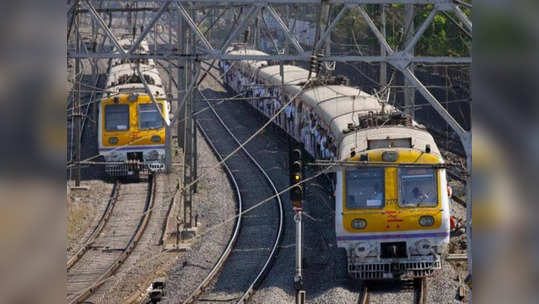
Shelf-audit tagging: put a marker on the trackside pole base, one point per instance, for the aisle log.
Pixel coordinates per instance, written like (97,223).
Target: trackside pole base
(300,296)
(186,236)
(81,188)
(298,277)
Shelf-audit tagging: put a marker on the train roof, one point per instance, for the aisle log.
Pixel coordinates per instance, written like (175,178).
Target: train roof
(334,104)
(293,75)
(338,106)
(248,63)
(359,140)
(131,69)
(135,88)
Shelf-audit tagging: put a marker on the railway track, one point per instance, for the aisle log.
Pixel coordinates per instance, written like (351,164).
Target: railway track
(98,228)
(113,240)
(420,291)
(257,235)
(419,287)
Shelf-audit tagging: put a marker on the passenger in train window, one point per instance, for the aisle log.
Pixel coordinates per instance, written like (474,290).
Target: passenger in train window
(289,118)
(316,141)
(323,144)
(305,135)
(293,118)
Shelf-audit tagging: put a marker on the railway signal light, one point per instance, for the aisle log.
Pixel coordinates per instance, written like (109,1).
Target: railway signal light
(296,166)
(296,194)
(296,174)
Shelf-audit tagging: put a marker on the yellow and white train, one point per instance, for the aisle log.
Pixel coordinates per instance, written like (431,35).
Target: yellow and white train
(131,128)
(391,199)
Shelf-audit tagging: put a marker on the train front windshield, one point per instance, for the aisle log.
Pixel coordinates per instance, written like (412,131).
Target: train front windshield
(365,188)
(117,117)
(418,187)
(149,117)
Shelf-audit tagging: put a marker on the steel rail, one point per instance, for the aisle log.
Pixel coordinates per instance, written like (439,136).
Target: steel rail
(141,226)
(363,295)
(420,290)
(278,238)
(98,228)
(226,253)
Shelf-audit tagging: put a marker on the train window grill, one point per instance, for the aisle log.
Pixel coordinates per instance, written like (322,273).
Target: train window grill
(365,188)
(418,187)
(117,117)
(149,117)
(389,143)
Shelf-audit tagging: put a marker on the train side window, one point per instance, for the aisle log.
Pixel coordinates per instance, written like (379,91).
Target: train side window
(365,188)
(117,117)
(149,117)
(418,187)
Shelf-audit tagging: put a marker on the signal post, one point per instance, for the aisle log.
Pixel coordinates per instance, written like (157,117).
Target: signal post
(296,196)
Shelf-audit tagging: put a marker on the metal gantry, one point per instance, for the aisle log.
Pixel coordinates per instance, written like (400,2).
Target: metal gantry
(202,30)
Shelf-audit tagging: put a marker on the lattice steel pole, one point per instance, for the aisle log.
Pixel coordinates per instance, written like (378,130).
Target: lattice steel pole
(383,52)
(188,133)
(76,106)
(409,89)
(194,151)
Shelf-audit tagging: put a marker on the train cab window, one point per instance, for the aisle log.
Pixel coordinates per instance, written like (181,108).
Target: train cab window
(365,188)
(117,117)
(418,187)
(149,117)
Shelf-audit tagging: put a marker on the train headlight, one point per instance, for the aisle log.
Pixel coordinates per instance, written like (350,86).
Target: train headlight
(113,140)
(390,156)
(116,156)
(426,221)
(362,250)
(153,155)
(132,97)
(423,247)
(359,223)
(156,138)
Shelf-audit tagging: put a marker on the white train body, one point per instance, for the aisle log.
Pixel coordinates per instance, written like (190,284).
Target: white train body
(391,230)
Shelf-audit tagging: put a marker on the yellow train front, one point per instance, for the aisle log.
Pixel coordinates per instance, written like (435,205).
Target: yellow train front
(392,211)
(131,127)
(132,134)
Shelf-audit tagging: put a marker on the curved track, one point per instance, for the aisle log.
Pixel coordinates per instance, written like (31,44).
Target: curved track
(251,250)
(224,256)
(98,228)
(107,250)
